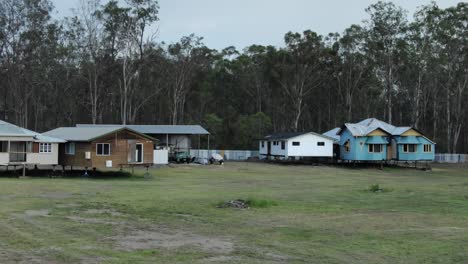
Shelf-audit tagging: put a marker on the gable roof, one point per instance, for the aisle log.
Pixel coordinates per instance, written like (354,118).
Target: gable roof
(333,134)
(369,125)
(159,129)
(289,135)
(11,130)
(86,134)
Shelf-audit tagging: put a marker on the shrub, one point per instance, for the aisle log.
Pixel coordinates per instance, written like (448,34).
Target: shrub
(260,203)
(375,188)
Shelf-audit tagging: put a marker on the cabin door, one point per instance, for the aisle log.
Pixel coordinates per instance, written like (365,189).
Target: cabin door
(269,148)
(389,152)
(139,153)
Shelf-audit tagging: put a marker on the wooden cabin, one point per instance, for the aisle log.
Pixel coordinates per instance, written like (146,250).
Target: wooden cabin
(103,147)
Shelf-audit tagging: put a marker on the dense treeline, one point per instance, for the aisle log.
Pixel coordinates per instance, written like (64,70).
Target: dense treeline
(104,65)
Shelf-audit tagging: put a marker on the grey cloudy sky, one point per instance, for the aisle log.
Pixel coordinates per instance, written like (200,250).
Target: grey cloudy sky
(241,23)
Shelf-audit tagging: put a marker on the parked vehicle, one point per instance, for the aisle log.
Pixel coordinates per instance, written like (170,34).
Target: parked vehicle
(216,158)
(182,157)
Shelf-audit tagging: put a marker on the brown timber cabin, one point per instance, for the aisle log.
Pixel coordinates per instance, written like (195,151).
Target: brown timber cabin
(103,147)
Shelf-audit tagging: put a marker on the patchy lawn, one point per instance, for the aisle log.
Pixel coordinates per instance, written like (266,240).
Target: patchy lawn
(303,214)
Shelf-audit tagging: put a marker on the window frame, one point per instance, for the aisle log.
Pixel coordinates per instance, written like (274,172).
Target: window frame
(103,154)
(45,148)
(429,147)
(371,148)
(321,144)
(347,146)
(67,148)
(407,146)
(296,143)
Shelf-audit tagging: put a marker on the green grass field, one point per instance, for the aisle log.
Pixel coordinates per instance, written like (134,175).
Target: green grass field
(305,214)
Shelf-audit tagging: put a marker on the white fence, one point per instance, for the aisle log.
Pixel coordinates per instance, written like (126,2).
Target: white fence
(161,156)
(451,158)
(227,154)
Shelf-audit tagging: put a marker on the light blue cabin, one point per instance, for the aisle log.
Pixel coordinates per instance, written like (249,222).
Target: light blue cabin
(368,145)
(412,145)
(375,140)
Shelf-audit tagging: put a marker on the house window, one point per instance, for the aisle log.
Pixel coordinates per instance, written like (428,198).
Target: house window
(45,148)
(427,148)
(410,148)
(320,144)
(283,145)
(375,148)
(103,149)
(263,144)
(295,143)
(347,146)
(3,146)
(70,148)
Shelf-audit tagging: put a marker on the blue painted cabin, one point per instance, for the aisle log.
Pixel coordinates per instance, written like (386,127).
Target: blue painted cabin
(371,146)
(375,140)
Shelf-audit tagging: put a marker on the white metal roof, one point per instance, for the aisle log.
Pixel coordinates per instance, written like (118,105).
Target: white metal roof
(11,130)
(86,134)
(159,129)
(333,134)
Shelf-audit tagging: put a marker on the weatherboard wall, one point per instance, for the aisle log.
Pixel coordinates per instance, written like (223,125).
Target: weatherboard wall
(309,146)
(419,154)
(119,151)
(44,158)
(359,150)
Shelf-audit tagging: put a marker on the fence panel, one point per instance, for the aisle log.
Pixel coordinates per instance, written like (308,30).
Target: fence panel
(451,158)
(233,155)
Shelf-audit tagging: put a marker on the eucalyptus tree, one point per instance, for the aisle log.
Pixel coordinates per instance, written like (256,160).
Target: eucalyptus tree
(450,36)
(386,28)
(188,57)
(353,66)
(298,70)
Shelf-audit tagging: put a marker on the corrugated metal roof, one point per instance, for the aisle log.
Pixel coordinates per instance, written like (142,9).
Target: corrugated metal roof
(289,135)
(80,133)
(88,133)
(373,123)
(7,129)
(11,130)
(400,130)
(333,134)
(160,129)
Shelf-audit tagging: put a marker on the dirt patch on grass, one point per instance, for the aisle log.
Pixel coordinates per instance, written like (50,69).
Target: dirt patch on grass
(86,220)
(221,259)
(55,195)
(111,212)
(172,240)
(33,213)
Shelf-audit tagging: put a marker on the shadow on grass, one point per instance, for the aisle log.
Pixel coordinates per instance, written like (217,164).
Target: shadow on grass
(75,174)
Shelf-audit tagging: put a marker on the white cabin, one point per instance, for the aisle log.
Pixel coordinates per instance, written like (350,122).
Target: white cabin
(296,145)
(22,146)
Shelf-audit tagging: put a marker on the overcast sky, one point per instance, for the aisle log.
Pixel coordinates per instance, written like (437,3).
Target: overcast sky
(241,23)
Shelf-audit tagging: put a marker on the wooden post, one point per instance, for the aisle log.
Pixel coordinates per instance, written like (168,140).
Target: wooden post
(24,169)
(147,175)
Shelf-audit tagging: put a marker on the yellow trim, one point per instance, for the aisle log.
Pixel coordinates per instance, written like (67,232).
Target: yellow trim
(377,132)
(412,132)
